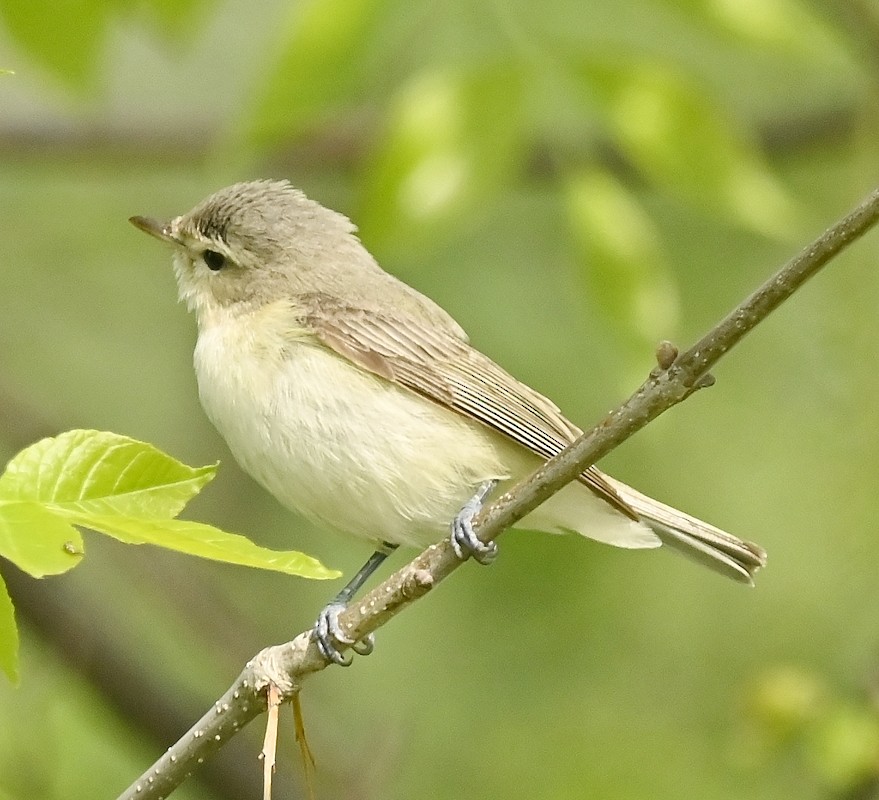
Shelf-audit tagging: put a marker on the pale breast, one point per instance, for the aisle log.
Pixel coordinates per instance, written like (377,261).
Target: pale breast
(341,446)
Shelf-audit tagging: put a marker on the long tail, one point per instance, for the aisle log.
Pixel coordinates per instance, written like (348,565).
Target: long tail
(716,549)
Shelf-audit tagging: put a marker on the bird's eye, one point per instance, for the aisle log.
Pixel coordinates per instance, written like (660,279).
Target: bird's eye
(215,261)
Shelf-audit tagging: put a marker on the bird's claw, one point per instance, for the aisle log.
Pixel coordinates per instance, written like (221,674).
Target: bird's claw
(328,632)
(464,541)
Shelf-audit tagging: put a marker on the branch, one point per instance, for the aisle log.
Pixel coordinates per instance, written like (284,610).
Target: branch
(676,378)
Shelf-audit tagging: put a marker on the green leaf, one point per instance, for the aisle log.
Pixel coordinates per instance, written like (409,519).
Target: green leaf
(36,540)
(45,31)
(780,25)
(320,65)
(674,133)
(843,746)
(178,18)
(205,541)
(121,487)
(95,472)
(8,636)
(453,137)
(621,252)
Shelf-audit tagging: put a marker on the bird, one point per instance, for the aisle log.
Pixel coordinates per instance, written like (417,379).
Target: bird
(361,404)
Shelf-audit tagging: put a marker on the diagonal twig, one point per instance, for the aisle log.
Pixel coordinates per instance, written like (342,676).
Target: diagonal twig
(286,666)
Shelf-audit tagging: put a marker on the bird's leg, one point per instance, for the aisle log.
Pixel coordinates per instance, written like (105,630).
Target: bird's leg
(464,541)
(327,629)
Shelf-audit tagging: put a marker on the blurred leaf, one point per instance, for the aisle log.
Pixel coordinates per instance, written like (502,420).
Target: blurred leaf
(178,16)
(837,739)
(622,254)
(452,138)
(677,137)
(845,746)
(8,636)
(777,24)
(786,700)
(65,35)
(204,541)
(318,67)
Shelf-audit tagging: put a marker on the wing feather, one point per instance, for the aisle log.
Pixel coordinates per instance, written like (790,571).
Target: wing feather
(443,367)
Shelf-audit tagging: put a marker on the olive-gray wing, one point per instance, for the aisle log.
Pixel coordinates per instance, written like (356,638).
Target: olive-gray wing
(447,370)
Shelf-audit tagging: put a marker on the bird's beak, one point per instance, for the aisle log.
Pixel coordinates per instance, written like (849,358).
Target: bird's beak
(161,230)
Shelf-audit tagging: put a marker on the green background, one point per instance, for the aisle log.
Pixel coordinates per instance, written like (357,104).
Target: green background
(573,181)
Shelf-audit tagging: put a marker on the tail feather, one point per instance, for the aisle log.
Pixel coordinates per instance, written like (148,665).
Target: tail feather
(730,556)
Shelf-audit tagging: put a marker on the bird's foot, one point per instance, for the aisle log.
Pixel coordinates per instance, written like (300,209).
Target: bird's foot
(464,540)
(328,634)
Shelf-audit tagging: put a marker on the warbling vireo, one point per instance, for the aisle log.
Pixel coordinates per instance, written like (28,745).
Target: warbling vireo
(359,403)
